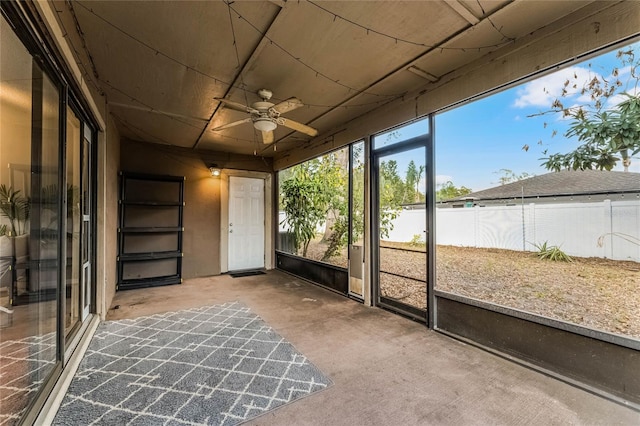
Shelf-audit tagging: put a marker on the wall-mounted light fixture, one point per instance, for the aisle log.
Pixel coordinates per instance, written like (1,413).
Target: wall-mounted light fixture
(215,171)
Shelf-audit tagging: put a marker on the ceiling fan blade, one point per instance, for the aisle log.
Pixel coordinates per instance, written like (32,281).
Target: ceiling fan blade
(232,124)
(235,105)
(267,137)
(288,105)
(294,125)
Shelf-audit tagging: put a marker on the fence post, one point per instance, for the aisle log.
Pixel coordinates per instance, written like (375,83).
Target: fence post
(608,229)
(476,225)
(532,226)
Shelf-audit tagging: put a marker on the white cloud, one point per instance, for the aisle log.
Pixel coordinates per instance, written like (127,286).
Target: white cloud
(634,167)
(543,91)
(615,100)
(623,74)
(422,185)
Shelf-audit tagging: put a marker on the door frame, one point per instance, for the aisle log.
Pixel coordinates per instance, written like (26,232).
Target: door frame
(269,248)
(87,280)
(422,141)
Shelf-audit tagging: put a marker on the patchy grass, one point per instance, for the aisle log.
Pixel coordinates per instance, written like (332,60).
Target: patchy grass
(601,294)
(597,293)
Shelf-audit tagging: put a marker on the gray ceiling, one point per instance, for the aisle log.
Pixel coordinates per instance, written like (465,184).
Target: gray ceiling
(161,64)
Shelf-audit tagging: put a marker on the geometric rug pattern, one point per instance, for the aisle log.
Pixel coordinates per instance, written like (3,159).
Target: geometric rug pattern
(215,365)
(24,365)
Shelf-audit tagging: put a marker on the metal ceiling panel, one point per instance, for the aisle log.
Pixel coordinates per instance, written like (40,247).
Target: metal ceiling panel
(152,127)
(161,64)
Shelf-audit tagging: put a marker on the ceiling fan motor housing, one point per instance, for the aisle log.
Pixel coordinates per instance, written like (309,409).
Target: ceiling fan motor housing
(262,106)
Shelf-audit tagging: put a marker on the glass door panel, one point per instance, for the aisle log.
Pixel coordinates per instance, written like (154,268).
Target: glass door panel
(30,227)
(401,220)
(74,214)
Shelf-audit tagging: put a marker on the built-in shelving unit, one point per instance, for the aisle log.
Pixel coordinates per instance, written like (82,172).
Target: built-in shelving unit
(150,230)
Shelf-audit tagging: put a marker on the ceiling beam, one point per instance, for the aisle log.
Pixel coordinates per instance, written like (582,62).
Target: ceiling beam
(264,41)
(617,18)
(404,67)
(156,111)
(463,11)
(422,73)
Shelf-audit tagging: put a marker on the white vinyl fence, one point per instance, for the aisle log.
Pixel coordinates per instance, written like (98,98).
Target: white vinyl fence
(575,227)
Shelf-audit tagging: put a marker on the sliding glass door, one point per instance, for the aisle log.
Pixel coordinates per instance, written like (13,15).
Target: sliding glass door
(46,221)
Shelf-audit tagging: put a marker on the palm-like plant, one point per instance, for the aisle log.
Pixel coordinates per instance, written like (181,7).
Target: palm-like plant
(15,207)
(552,253)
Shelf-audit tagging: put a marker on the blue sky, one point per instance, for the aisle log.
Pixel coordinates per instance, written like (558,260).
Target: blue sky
(475,141)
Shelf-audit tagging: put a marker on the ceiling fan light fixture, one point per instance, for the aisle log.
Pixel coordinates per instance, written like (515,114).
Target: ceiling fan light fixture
(264,124)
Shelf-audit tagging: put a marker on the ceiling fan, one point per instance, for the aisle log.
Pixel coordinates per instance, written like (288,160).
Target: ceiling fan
(266,116)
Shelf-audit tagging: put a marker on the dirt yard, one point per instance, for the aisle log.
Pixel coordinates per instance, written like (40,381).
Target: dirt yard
(596,293)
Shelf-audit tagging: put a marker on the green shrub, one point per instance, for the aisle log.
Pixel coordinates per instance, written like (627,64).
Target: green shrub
(416,241)
(551,253)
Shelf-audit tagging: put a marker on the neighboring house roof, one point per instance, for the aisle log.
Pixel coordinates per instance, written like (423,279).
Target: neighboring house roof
(566,182)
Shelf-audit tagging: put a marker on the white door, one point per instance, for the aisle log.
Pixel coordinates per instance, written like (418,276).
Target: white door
(246,223)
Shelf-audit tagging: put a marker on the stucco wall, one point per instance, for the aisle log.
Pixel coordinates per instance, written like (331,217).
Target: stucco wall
(108,166)
(201,238)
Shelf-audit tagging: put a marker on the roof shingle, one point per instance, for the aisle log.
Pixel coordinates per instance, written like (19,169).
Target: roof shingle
(566,182)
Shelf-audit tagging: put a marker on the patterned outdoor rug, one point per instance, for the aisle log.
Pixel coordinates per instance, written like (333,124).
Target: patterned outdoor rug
(217,365)
(24,364)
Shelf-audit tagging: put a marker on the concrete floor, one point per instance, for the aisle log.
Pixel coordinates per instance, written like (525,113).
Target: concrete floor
(386,369)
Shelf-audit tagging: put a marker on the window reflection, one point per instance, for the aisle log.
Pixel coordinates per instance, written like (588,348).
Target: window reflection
(29,226)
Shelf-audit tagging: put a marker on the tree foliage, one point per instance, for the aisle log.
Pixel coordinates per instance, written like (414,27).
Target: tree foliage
(391,195)
(413,176)
(448,191)
(305,199)
(335,166)
(316,192)
(313,193)
(508,176)
(607,124)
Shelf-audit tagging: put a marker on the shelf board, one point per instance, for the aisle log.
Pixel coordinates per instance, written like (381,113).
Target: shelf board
(151,229)
(153,203)
(149,282)
(149,256)
(151,177)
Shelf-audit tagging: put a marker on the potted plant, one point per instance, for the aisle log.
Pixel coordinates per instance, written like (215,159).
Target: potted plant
(13,238)
(15,207)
